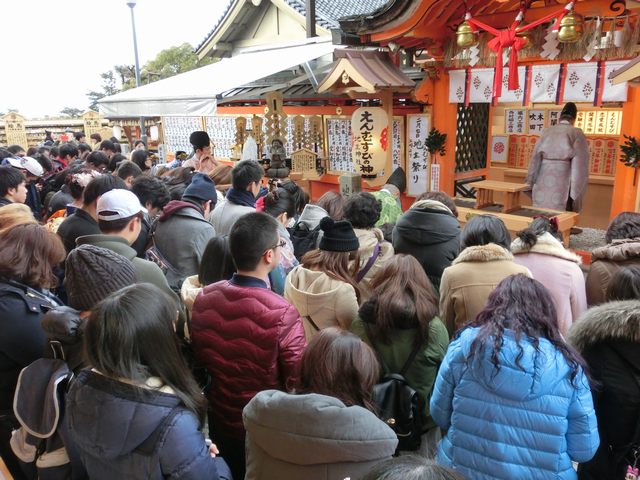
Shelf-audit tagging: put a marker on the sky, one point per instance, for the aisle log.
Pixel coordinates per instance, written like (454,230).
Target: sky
(53,51)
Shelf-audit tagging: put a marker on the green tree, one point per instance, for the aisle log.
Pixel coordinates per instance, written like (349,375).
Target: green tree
(172,61)
(71,112)
(108,88)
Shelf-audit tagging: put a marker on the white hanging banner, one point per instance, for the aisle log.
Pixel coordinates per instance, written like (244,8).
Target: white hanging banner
(481,85)
(611,92)
(457,85)
(513,96)
(545,80)
(418,127)
(580,82)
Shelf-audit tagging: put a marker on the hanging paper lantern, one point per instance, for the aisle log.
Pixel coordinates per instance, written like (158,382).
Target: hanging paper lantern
(571,28)
(465,35)
(369,126)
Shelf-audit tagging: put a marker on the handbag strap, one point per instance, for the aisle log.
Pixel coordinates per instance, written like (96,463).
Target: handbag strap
(313,324)
(372,259)
(407,363)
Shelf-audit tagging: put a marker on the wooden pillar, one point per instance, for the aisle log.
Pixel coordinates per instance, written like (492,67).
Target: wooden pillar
(444,118)
(624,191)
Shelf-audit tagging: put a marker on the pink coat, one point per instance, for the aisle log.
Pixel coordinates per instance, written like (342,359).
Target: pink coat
(559,270)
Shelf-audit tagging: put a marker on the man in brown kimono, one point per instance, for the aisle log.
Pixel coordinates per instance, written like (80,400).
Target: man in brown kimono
(559,166)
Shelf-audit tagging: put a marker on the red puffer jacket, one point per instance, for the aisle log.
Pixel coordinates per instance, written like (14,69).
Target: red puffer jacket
(249,339)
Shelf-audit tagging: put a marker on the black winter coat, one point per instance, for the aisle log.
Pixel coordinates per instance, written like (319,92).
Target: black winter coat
(432,236)
(22,340)
(608,336)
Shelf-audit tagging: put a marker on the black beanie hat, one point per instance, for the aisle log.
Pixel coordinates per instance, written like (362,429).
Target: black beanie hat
(201,189)
(569,110)
(199,139)
(338,236)
(93,273)
(398,179)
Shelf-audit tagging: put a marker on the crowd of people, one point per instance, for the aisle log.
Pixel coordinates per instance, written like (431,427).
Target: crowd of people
(185,321)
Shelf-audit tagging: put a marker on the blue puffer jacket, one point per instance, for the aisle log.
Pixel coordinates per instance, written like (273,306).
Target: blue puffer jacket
(527,422)
(120,434)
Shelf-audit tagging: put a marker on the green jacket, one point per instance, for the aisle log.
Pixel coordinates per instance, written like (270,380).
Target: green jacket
(423,371)
(391,210)
(146,271)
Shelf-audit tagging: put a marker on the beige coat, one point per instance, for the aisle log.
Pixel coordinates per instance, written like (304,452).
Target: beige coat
(329,302)
(605,262)
(467,283)
(368,240)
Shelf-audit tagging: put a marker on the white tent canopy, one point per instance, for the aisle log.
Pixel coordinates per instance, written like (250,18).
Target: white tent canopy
(194,93)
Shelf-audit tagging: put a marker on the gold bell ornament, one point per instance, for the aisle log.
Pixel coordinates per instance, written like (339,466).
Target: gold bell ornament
(465,36)
(526,36)
(571,28)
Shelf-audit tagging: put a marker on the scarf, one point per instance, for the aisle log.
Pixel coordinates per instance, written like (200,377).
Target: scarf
(241,197)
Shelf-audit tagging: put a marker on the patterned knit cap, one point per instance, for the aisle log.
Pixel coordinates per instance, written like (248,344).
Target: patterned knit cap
(93,273)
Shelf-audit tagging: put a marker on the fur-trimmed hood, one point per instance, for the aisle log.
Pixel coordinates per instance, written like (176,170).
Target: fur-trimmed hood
(610,321)
(547,244)
(483,253)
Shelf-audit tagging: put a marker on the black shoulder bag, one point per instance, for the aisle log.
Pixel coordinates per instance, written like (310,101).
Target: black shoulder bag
(399,405)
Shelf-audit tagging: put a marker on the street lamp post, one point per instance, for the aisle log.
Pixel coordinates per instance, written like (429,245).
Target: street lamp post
(131,4)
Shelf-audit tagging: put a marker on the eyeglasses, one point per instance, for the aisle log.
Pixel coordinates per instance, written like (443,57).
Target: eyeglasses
(280,244)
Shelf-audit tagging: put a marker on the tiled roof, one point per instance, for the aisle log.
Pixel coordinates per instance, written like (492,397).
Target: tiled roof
(328,12)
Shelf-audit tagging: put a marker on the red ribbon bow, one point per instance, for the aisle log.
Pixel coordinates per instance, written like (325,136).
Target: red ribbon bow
(508,38)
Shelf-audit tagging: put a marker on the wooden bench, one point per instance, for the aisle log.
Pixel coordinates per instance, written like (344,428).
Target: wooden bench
(485,189)
(515,223)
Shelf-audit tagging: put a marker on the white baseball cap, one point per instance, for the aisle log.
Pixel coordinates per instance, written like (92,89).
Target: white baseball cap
(119,203)
(29,164)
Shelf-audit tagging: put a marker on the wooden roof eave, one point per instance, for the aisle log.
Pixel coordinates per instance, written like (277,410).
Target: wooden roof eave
(426,19)
(217,34)
(367,72)
(628,72)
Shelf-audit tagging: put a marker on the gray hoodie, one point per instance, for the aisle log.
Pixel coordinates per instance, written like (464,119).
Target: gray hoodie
(313,437)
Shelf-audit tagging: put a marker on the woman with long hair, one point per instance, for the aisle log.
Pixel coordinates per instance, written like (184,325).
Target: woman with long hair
(323,288)
(327,429)
(14,214)
(281,204)
(400,316)
(138,412)
(608,336)
(485,260)
(28,255)
(511,394)
(539,248)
